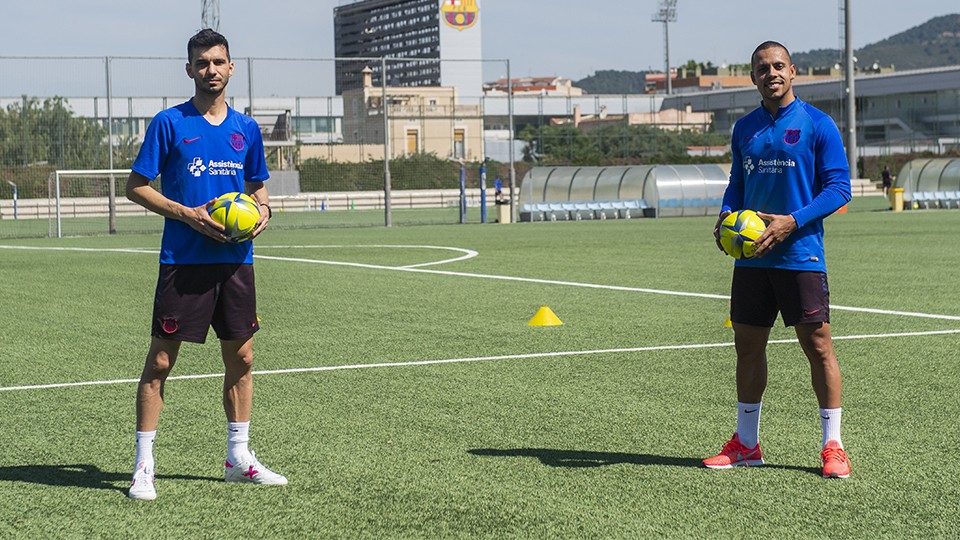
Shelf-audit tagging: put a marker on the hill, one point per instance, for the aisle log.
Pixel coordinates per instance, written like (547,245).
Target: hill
(611,81)
(934,43)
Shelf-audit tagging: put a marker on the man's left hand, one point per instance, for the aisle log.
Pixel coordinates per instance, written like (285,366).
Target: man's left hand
(779,227)
(262,222)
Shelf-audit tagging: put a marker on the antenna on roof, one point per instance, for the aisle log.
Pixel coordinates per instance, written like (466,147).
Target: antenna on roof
(666,14)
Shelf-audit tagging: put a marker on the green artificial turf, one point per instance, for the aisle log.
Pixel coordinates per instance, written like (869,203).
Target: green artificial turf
(592,429)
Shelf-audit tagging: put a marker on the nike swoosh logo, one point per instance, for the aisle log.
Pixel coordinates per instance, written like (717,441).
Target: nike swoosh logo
(809,313)
(825,417)
(188,141)
(741,456)
(748,411)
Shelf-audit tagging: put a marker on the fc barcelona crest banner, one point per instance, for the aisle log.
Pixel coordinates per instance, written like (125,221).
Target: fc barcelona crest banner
(459,14)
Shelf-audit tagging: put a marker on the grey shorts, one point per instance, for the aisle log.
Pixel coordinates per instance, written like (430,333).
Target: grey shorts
(758,294)
(192,297)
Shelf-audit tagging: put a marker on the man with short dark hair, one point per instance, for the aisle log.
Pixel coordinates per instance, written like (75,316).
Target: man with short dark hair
(202,149)
(789,165)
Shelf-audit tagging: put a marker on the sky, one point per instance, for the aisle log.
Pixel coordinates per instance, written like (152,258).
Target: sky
(563,38)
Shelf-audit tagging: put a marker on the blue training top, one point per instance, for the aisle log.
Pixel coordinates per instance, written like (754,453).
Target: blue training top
(197,162)
(792,164)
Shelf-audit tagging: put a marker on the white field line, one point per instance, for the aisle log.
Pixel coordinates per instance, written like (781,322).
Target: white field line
(472,359)
(591,285)
(467,253)
(107,250)
(470,253)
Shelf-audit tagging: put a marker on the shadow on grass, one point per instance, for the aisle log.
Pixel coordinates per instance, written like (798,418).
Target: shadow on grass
(580,458)
(79,475)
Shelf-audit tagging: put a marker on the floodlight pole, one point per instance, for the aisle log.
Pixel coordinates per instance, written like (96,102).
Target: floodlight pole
(210,14)
(851,92)
(666,54)
(666,14)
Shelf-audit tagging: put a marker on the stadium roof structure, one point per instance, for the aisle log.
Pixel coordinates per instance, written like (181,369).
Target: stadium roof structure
(899,82)
(930,179)
(670,190)
(898,112)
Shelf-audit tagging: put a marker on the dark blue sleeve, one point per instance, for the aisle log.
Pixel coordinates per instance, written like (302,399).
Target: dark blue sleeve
(833,171)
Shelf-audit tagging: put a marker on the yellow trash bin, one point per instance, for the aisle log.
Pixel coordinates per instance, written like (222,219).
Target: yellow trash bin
(896,199)
(503,211)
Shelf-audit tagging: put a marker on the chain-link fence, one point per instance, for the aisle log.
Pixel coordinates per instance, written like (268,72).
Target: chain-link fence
(379,153)
(351,142)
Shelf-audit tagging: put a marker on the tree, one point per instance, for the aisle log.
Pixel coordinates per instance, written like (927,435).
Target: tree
(48,132)
(614,144)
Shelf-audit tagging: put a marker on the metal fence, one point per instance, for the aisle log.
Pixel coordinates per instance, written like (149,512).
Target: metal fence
(375,140)
(90,113)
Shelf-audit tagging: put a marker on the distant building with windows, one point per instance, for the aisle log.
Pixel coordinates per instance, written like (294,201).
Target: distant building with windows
(665,119)
(440,37)
(897,112)
(545,86)
(420,120)
(702,79)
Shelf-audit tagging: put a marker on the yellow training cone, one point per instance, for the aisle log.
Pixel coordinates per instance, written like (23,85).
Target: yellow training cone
(729,323)
(545,317)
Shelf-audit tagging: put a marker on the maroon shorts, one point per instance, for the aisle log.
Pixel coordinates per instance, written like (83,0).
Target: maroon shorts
(192,297)
(759,293)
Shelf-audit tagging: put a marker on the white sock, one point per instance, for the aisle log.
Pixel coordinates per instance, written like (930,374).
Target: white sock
(145,447)
(238,435)
(748,423)
(830,422)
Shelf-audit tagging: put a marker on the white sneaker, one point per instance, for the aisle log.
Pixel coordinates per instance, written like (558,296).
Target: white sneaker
(141,487)
(252,471)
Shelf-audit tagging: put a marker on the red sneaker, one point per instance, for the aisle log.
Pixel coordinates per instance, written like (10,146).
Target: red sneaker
(836,464)
(735,454)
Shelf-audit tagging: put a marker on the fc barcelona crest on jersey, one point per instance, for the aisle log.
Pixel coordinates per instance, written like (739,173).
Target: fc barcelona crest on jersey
(236,141)
(459,14)
(791,136)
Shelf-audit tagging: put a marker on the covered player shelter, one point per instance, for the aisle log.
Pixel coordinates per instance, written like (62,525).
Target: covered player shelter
(622,192)
(930,183)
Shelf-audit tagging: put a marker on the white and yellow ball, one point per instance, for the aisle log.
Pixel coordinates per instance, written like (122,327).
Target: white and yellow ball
(739,231)
(238,213)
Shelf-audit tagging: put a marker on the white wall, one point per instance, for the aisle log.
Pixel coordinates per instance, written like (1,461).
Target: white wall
(462,44)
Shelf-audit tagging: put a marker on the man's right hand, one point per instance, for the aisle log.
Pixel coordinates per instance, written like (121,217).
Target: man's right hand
(199,219)
(716,229)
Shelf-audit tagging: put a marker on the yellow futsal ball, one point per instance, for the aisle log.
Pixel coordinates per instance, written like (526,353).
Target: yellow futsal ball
(238,213)
(739,231)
